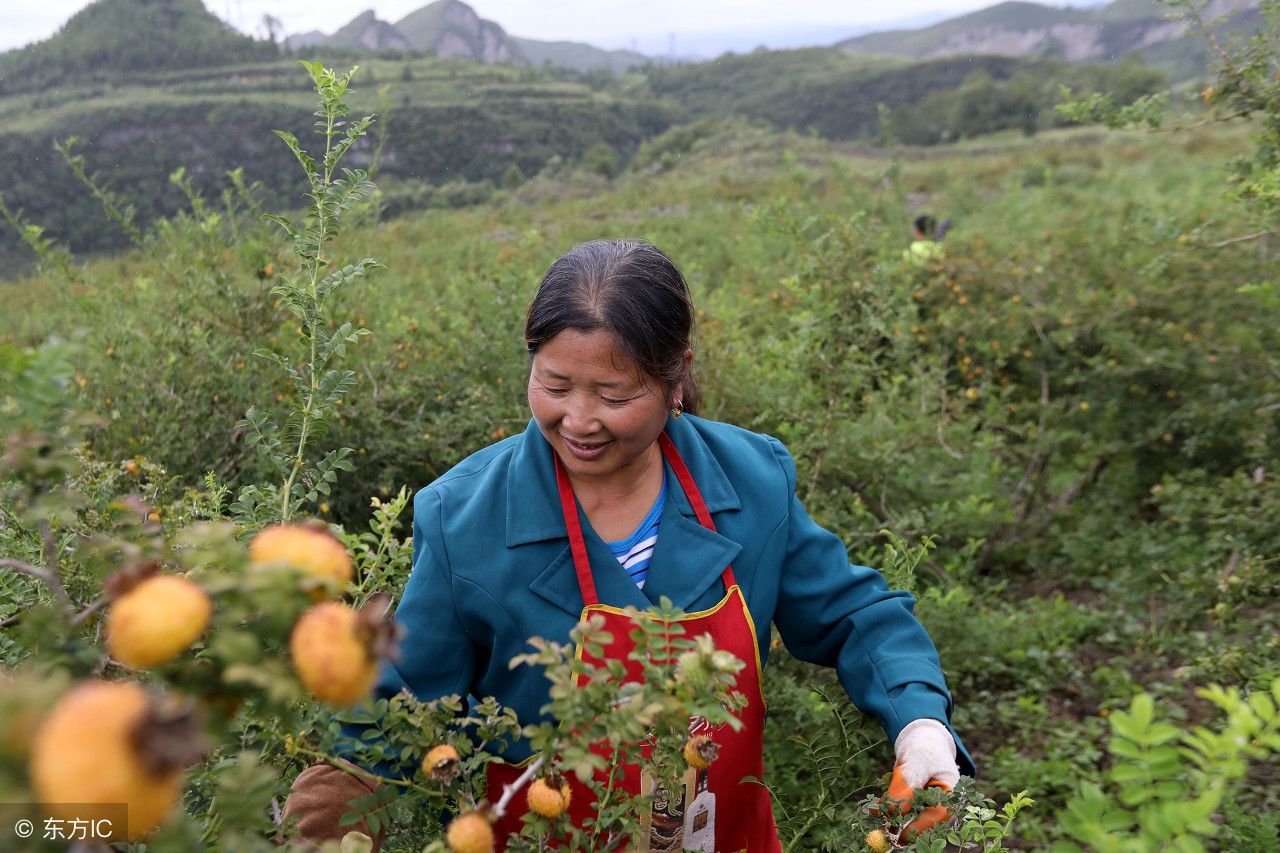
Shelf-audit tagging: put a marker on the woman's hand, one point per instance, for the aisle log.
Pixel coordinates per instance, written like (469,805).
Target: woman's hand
(927,752)
(926,756)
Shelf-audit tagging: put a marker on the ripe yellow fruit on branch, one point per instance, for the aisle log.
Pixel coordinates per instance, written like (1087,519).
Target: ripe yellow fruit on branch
(156,621)
(878,841)
(441,763)
(700,751)
(92,749)
(548,799)
(309,547)
(332,654)
(470,833)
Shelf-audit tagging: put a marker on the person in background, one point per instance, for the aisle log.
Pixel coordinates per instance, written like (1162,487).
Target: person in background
(927,237)
(618,494)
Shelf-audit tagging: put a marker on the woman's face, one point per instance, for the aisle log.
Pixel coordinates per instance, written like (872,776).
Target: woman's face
(599,411)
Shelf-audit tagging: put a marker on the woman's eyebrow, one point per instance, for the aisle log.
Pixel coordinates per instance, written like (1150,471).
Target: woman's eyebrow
(548,373)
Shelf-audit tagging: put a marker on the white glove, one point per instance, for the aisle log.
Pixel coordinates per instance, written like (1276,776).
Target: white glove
(926,750)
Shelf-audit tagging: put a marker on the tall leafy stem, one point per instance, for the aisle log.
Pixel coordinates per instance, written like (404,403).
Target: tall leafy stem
(318,385)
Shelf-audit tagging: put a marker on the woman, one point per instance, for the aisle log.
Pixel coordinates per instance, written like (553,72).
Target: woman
(618,494)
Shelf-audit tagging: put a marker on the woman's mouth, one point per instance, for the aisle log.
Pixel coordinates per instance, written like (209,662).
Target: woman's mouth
(586,450)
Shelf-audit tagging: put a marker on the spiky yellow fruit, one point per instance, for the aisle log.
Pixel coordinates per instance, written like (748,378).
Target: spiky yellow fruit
(156,621)
(441,763)
(331,654)
(87,752)
(700,751)
(309,547)
(878,841)
(470,833)
(547,799)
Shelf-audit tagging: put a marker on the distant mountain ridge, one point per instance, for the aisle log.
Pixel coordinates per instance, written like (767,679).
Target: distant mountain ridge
(452,29)
(1023,29)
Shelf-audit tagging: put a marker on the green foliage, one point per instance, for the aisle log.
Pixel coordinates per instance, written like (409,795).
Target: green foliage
(1022,100)
(1167,783)
(319,386)
(647,723)
(601,160)
(973,821)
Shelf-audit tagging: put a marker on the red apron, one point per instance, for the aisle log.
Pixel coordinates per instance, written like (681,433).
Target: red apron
(715,812)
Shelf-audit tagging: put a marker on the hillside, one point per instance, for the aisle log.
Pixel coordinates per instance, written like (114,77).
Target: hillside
(578,56)
(1104,34)
(839,95)
(471,126)
(114,37)
(448,122)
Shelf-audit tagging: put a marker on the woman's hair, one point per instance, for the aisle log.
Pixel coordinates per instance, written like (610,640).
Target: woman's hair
(925,224)
(633,291)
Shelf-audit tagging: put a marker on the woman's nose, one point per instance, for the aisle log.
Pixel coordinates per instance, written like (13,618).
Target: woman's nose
(580,415)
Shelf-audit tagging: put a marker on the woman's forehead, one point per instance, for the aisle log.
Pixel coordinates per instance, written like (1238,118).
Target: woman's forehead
(593,357)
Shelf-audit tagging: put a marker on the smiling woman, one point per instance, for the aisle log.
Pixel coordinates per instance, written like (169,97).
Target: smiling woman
(615,470)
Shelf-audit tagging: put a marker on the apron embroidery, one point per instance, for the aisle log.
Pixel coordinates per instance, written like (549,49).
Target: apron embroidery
(714,810)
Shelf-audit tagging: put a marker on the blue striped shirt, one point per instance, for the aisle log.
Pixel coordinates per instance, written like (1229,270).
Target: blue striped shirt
(636,551)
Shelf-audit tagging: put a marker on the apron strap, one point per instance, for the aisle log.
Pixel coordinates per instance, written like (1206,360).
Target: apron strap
(578,545)
(691,492)
(568,506)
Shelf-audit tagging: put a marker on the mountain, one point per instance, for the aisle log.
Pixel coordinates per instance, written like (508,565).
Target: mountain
(1025,29)
(300,41)
(111,37)
(452,29)
(366,32)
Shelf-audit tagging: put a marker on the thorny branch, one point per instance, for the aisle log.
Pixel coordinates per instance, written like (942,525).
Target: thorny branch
(500,808)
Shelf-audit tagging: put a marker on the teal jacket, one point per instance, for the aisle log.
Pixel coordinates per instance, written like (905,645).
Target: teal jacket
(492,567)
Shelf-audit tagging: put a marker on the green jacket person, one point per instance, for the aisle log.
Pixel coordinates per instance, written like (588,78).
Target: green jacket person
(665,504)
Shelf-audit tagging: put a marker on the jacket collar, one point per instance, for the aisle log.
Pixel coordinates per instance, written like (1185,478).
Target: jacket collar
(533,505)
(688,557)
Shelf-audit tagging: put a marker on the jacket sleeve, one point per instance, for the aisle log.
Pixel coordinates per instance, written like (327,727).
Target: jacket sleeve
(832,613)
(436,655)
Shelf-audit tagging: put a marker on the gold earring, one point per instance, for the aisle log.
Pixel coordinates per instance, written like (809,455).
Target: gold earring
(678,409)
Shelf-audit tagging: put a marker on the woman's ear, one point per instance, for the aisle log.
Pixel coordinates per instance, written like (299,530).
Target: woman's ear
(677,393)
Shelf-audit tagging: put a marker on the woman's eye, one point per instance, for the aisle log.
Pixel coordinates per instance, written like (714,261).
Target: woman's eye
(555,392)
(613,402)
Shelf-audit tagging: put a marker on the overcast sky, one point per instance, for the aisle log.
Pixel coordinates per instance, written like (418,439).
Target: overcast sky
(651,26)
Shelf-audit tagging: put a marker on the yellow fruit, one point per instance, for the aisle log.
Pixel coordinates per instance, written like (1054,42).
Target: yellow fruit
(441,763)
(700,751)
(156,621)
(309,547)
(86,752)
(443,752)
(470,833)
(547,800)
(331,654)
(878,841)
